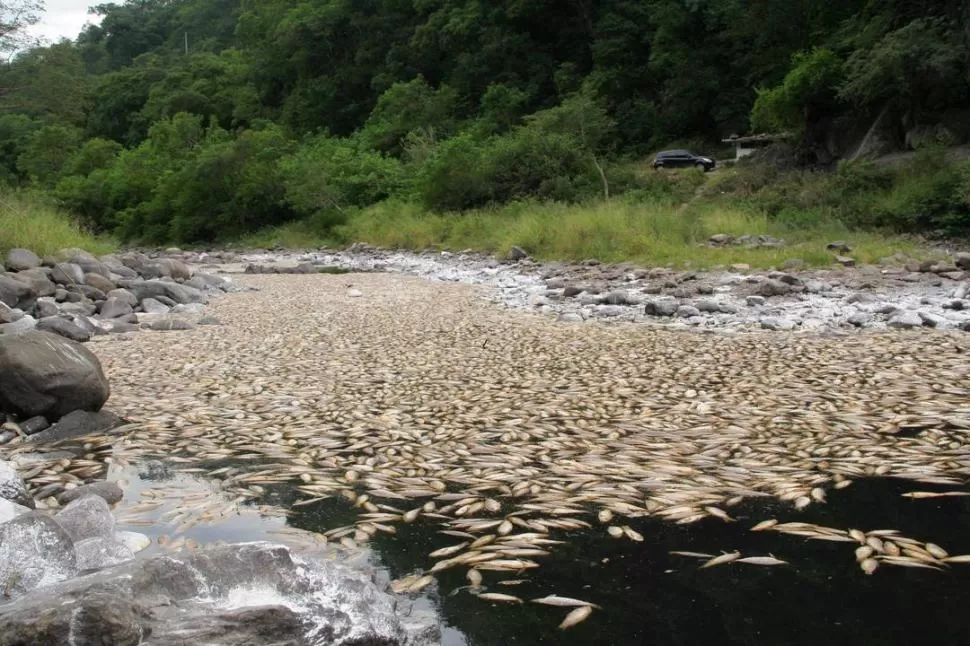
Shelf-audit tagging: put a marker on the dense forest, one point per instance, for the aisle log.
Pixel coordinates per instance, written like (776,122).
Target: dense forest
(199,120)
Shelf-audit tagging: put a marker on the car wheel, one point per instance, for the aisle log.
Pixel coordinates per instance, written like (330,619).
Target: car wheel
(701,166)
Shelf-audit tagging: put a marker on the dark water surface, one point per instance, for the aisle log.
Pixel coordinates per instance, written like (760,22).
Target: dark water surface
(649,596)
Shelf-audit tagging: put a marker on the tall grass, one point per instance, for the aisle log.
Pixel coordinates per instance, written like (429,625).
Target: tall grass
(617,231)
(31,222)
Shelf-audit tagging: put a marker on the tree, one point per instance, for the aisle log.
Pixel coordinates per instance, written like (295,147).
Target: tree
(15,17)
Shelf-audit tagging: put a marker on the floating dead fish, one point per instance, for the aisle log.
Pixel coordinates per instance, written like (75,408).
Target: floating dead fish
(762,560)
(563,602)
(576,616)
(721,559)
(498,596)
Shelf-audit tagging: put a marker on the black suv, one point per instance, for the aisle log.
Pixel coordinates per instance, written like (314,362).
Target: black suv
(682,159)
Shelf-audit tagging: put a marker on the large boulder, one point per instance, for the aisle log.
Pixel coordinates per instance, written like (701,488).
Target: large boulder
(37,281)
(99,282)
(12,290)
(175,268)
(35,551)
(109,491)
(114,307)
(78,423)
(155,288)
(45,374)
(64,328)
(21,259)
(209,597)
(67,273)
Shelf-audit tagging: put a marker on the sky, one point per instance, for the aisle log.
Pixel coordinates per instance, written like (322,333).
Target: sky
(63,19)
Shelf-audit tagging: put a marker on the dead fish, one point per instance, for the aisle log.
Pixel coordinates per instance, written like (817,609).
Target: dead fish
(576,616)
(863,552)
(936,550)
(563,602)
(474,577)
(498,596)
(696,555)
(869,565)
(762,560)
(604,516)
(448,551)
(858,535)
(632,534)
(763,525)
(721,559)
(614,531)
(961,558)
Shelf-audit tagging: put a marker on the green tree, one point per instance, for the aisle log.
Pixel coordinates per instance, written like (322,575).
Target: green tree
(46,153)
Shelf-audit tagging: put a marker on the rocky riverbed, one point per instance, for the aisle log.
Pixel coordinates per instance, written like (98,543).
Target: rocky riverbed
(901,293)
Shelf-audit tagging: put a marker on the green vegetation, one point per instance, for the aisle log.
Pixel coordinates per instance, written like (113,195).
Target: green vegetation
(467,124)
(31,221)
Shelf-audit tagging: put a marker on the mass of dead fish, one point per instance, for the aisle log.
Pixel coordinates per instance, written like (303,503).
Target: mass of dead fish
(394,406)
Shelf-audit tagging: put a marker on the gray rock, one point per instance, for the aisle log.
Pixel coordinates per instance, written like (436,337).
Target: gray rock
(67,273)
(903,320)
(845,261)
(728,308)
(87,517)
(99,282)
(860,319)
(816,287)
(12,291)
(168,324)
(932,320)
(155,288)
(78,423)
(181,599)
(35,551)
(517,253)
(101,552)
(618,297)
(10,510)
(61,294)
(89,325)
(720,239)
(755,301)
(45,307)
(708,306)
(154,306)
(962,260)
(12,486)
(687,311)
(66,329)
(21,325)
(955,304)
(887,309)
(38,283)
(209,320)
(788,279)
(114,307)
(840,247)
(83,307)
(21,259)
(9,314)
(555,283)
(175,268)
(777,323)
(772,287)
(45,374)
(661,308)
(109,491)
(124,296)
(571,290)
(34,425)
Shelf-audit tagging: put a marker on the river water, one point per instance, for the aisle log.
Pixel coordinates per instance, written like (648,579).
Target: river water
(647,595)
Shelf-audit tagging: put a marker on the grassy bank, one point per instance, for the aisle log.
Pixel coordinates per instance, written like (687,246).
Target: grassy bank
(32,222)
(647,233)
